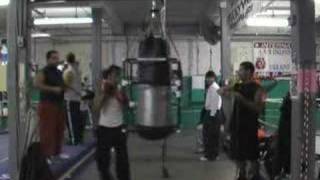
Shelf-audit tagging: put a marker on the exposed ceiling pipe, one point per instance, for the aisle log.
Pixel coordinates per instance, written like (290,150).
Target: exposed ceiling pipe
(264,8)
(41,14)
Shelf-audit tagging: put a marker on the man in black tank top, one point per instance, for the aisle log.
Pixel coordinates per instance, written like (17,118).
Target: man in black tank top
(249,103)
(51,111)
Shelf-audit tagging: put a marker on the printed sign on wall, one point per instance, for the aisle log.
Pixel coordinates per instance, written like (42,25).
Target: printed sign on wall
(240,52)
(272,57)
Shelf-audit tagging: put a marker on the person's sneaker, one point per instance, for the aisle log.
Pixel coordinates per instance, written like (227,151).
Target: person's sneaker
(5,176)
(49,161)
(64,156)
(88,127)
(204,159)
(217,158)
(199,151)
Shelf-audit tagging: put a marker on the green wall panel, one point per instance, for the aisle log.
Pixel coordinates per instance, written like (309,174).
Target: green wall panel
(186,92)
(190,118)
(280,90)
(197,96)
(192,103)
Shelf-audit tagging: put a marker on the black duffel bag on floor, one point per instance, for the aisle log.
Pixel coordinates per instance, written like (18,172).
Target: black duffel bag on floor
(34,165)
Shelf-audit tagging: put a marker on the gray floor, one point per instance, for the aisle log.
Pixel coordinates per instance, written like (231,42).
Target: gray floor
(4,141)
(183,163)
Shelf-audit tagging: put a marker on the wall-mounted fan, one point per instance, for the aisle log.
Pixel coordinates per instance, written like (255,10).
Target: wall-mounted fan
(210,30)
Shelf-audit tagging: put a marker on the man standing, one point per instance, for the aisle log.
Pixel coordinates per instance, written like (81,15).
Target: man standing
(211,121)
(72,96)
(111,129)
(249,103)
(51,112)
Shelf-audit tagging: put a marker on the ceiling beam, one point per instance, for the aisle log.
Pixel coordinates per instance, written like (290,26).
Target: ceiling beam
(51,4)
(131,30)
(173,29)
(267,5)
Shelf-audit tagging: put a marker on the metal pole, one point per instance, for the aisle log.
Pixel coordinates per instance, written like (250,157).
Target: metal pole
(303,103)
(12,84)
(164,19)
(190,58)
(226,65)
(16,80)
(96,62)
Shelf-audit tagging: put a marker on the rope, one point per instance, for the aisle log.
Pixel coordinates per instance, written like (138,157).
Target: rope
(305,153)
(210,66)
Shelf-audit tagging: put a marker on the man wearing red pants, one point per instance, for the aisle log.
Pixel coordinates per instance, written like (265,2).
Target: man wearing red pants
(51,111)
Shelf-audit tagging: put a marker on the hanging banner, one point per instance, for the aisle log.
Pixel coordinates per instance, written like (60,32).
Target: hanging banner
(240,10)
(272,57)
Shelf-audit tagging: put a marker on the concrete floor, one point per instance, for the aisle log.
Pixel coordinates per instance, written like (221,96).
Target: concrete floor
(183,163)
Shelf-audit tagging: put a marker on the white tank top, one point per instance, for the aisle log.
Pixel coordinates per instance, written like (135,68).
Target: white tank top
(111,114)
(74,92)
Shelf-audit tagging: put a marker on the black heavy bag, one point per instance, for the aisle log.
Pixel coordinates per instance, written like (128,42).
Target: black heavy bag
(34,165)
(153,47)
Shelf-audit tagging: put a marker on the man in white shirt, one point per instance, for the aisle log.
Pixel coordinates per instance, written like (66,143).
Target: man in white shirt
(211,121)
(72,96)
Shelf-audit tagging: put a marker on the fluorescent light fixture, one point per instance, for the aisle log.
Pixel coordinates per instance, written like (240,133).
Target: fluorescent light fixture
(66,11)
(4,2)
(267,22)
(317,7)
(40,35)
(274,12)
(57,21)
(277,4)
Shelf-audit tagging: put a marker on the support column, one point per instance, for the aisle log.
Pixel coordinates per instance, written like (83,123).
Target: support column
(303,103)
(190,71)
(226,64)
(96,63)
(12,85)
(17,79)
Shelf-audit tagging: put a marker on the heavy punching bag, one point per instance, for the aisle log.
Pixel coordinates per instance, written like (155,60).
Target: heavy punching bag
(153,47)
(153,111)
(153,77)
(156,77)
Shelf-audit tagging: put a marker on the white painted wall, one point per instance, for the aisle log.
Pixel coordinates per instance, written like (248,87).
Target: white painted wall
(82,51)
(240,52)
(194,53)
(115,51)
